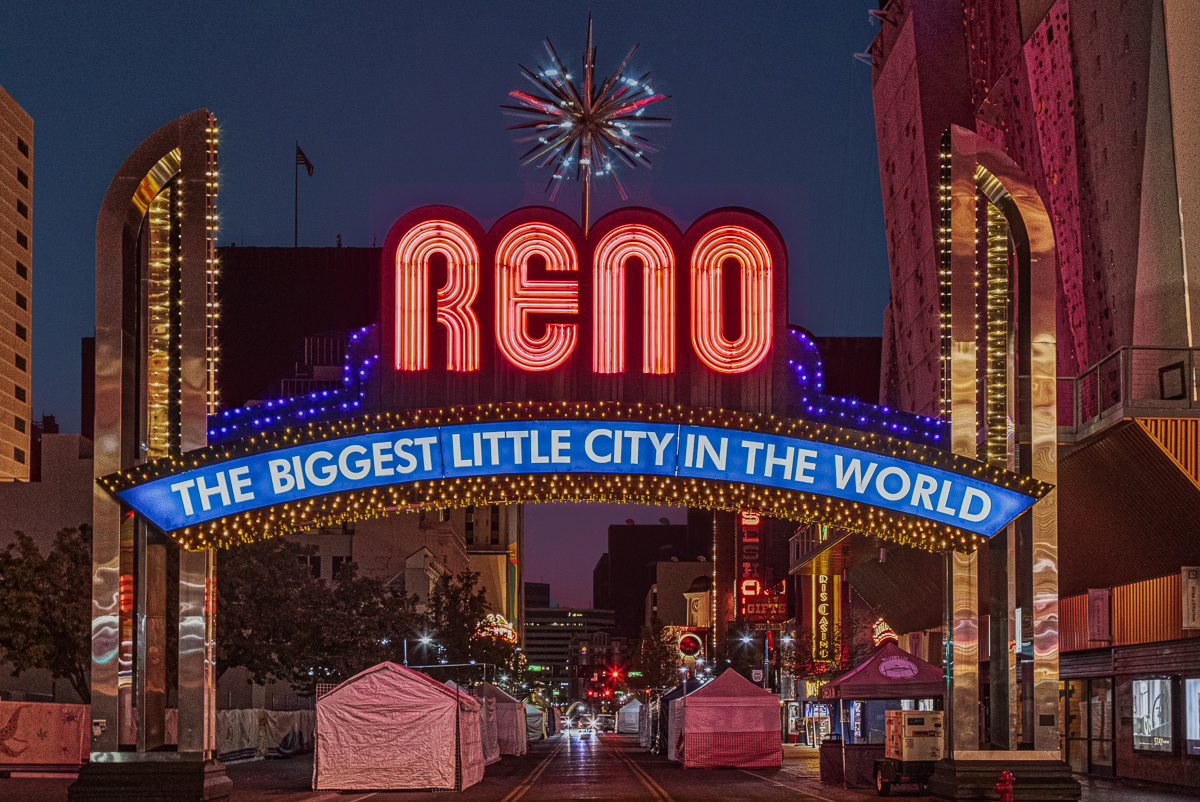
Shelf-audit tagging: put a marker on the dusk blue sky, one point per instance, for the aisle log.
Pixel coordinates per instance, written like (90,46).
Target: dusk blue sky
(398,105)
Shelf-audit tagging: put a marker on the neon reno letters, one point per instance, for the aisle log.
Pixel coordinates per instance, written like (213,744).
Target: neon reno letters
(545,277)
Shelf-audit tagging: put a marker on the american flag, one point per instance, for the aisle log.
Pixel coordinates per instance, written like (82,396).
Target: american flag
(302,159)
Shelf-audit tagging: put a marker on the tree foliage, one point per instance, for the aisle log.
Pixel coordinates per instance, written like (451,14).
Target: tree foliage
(657,657)
(45,607)
(456,609)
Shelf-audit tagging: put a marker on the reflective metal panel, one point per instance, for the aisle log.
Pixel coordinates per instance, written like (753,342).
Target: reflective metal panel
(196,694)
(962,583)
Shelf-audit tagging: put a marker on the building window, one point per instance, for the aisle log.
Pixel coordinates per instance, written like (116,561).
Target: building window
(22,301)
(22,365)
(22,240)
(19,455)
(469,526)
(19,392)
(22,270)
(23,209)
(22,333)
(23,146)
(495,524)
(443,515)
(313,563)
(1153,727)
(336,564)
(23,177)
(19,424)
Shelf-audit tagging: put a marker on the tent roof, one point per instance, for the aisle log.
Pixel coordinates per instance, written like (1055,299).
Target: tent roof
(492,692)
(636,704)
(733,685)
(890,673)
(397,676)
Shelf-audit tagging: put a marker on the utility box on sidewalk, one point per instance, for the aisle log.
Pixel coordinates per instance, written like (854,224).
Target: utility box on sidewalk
(913,735)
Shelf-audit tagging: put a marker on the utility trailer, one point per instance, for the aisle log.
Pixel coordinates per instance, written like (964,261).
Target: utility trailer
(912,745)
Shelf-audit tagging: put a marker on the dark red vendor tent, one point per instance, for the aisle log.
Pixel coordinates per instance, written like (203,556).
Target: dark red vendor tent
(890,673)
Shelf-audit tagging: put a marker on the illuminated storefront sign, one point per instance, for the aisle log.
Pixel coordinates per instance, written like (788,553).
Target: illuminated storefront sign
(496,627)
(526,447)
(826,616)
(539,276)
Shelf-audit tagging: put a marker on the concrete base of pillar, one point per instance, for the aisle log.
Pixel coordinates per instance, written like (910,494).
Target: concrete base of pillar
(1033,780)
(152,780)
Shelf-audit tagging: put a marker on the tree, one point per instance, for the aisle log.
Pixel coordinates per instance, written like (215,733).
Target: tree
(456,609)
(268,611)
(657,656)
(851,644)
(46,607)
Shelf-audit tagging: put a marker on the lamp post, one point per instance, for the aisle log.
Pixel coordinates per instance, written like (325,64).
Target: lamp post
(424,640)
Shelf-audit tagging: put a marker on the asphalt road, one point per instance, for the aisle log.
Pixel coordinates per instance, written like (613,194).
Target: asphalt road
(610,767)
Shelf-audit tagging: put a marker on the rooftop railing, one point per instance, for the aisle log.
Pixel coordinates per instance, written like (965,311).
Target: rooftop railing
(1131,382)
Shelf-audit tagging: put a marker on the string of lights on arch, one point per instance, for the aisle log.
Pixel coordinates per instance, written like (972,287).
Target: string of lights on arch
(287,517)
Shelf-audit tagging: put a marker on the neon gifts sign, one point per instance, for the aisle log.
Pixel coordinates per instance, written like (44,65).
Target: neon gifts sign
(540,294)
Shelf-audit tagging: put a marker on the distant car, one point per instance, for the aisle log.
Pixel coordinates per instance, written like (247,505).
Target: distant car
(604,723)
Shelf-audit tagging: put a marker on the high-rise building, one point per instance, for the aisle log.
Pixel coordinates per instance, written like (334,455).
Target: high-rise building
(16,284)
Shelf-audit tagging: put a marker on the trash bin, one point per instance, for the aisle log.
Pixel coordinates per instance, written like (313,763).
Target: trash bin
(830,760)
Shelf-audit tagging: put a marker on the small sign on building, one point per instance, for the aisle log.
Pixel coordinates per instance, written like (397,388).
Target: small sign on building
(1190,584)
(1099,622)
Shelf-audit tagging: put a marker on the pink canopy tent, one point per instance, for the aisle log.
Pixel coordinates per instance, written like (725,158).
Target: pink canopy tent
(890,673)
(730,722)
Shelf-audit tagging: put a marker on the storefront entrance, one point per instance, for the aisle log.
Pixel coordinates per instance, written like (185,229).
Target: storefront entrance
(1086,707)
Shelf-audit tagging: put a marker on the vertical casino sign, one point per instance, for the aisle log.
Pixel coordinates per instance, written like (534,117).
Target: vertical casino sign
(826,616)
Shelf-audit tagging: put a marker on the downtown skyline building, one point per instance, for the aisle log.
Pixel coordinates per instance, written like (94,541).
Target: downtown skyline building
(16,288)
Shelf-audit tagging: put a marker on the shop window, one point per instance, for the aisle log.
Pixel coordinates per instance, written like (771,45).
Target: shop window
(1153,724)
(1191,697)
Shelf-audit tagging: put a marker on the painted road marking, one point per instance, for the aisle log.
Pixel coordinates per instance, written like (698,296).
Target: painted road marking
(522,789)
(804,791)
(647,780)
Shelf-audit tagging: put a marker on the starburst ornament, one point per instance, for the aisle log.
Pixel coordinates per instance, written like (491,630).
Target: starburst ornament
(585,130)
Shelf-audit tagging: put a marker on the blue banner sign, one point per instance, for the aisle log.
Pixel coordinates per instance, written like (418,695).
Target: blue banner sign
(584,446)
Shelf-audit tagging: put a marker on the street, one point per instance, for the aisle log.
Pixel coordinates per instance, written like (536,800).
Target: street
(569,767)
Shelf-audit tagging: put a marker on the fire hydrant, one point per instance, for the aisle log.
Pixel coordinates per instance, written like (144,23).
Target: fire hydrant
(1005,786)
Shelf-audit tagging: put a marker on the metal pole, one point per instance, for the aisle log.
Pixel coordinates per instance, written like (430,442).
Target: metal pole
(406,652)
(296,197)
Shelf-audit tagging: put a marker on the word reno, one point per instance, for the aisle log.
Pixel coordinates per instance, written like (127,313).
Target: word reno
(529,287)
(582,446)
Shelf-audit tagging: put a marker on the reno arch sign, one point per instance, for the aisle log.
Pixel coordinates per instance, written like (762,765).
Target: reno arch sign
(636,296)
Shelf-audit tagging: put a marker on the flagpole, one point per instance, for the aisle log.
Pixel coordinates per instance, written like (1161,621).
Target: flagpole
(296,197)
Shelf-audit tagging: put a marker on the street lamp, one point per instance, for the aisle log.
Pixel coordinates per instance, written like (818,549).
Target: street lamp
(424,640)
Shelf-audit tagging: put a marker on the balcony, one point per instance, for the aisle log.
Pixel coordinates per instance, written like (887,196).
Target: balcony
(1130,383)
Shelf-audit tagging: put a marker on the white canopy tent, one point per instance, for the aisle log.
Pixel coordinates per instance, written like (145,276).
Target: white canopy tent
(390,727)
(510,719)
(535,722)
(627,718)
(487,724)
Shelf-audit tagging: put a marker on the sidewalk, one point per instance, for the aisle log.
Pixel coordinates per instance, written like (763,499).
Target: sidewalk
(801,763)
